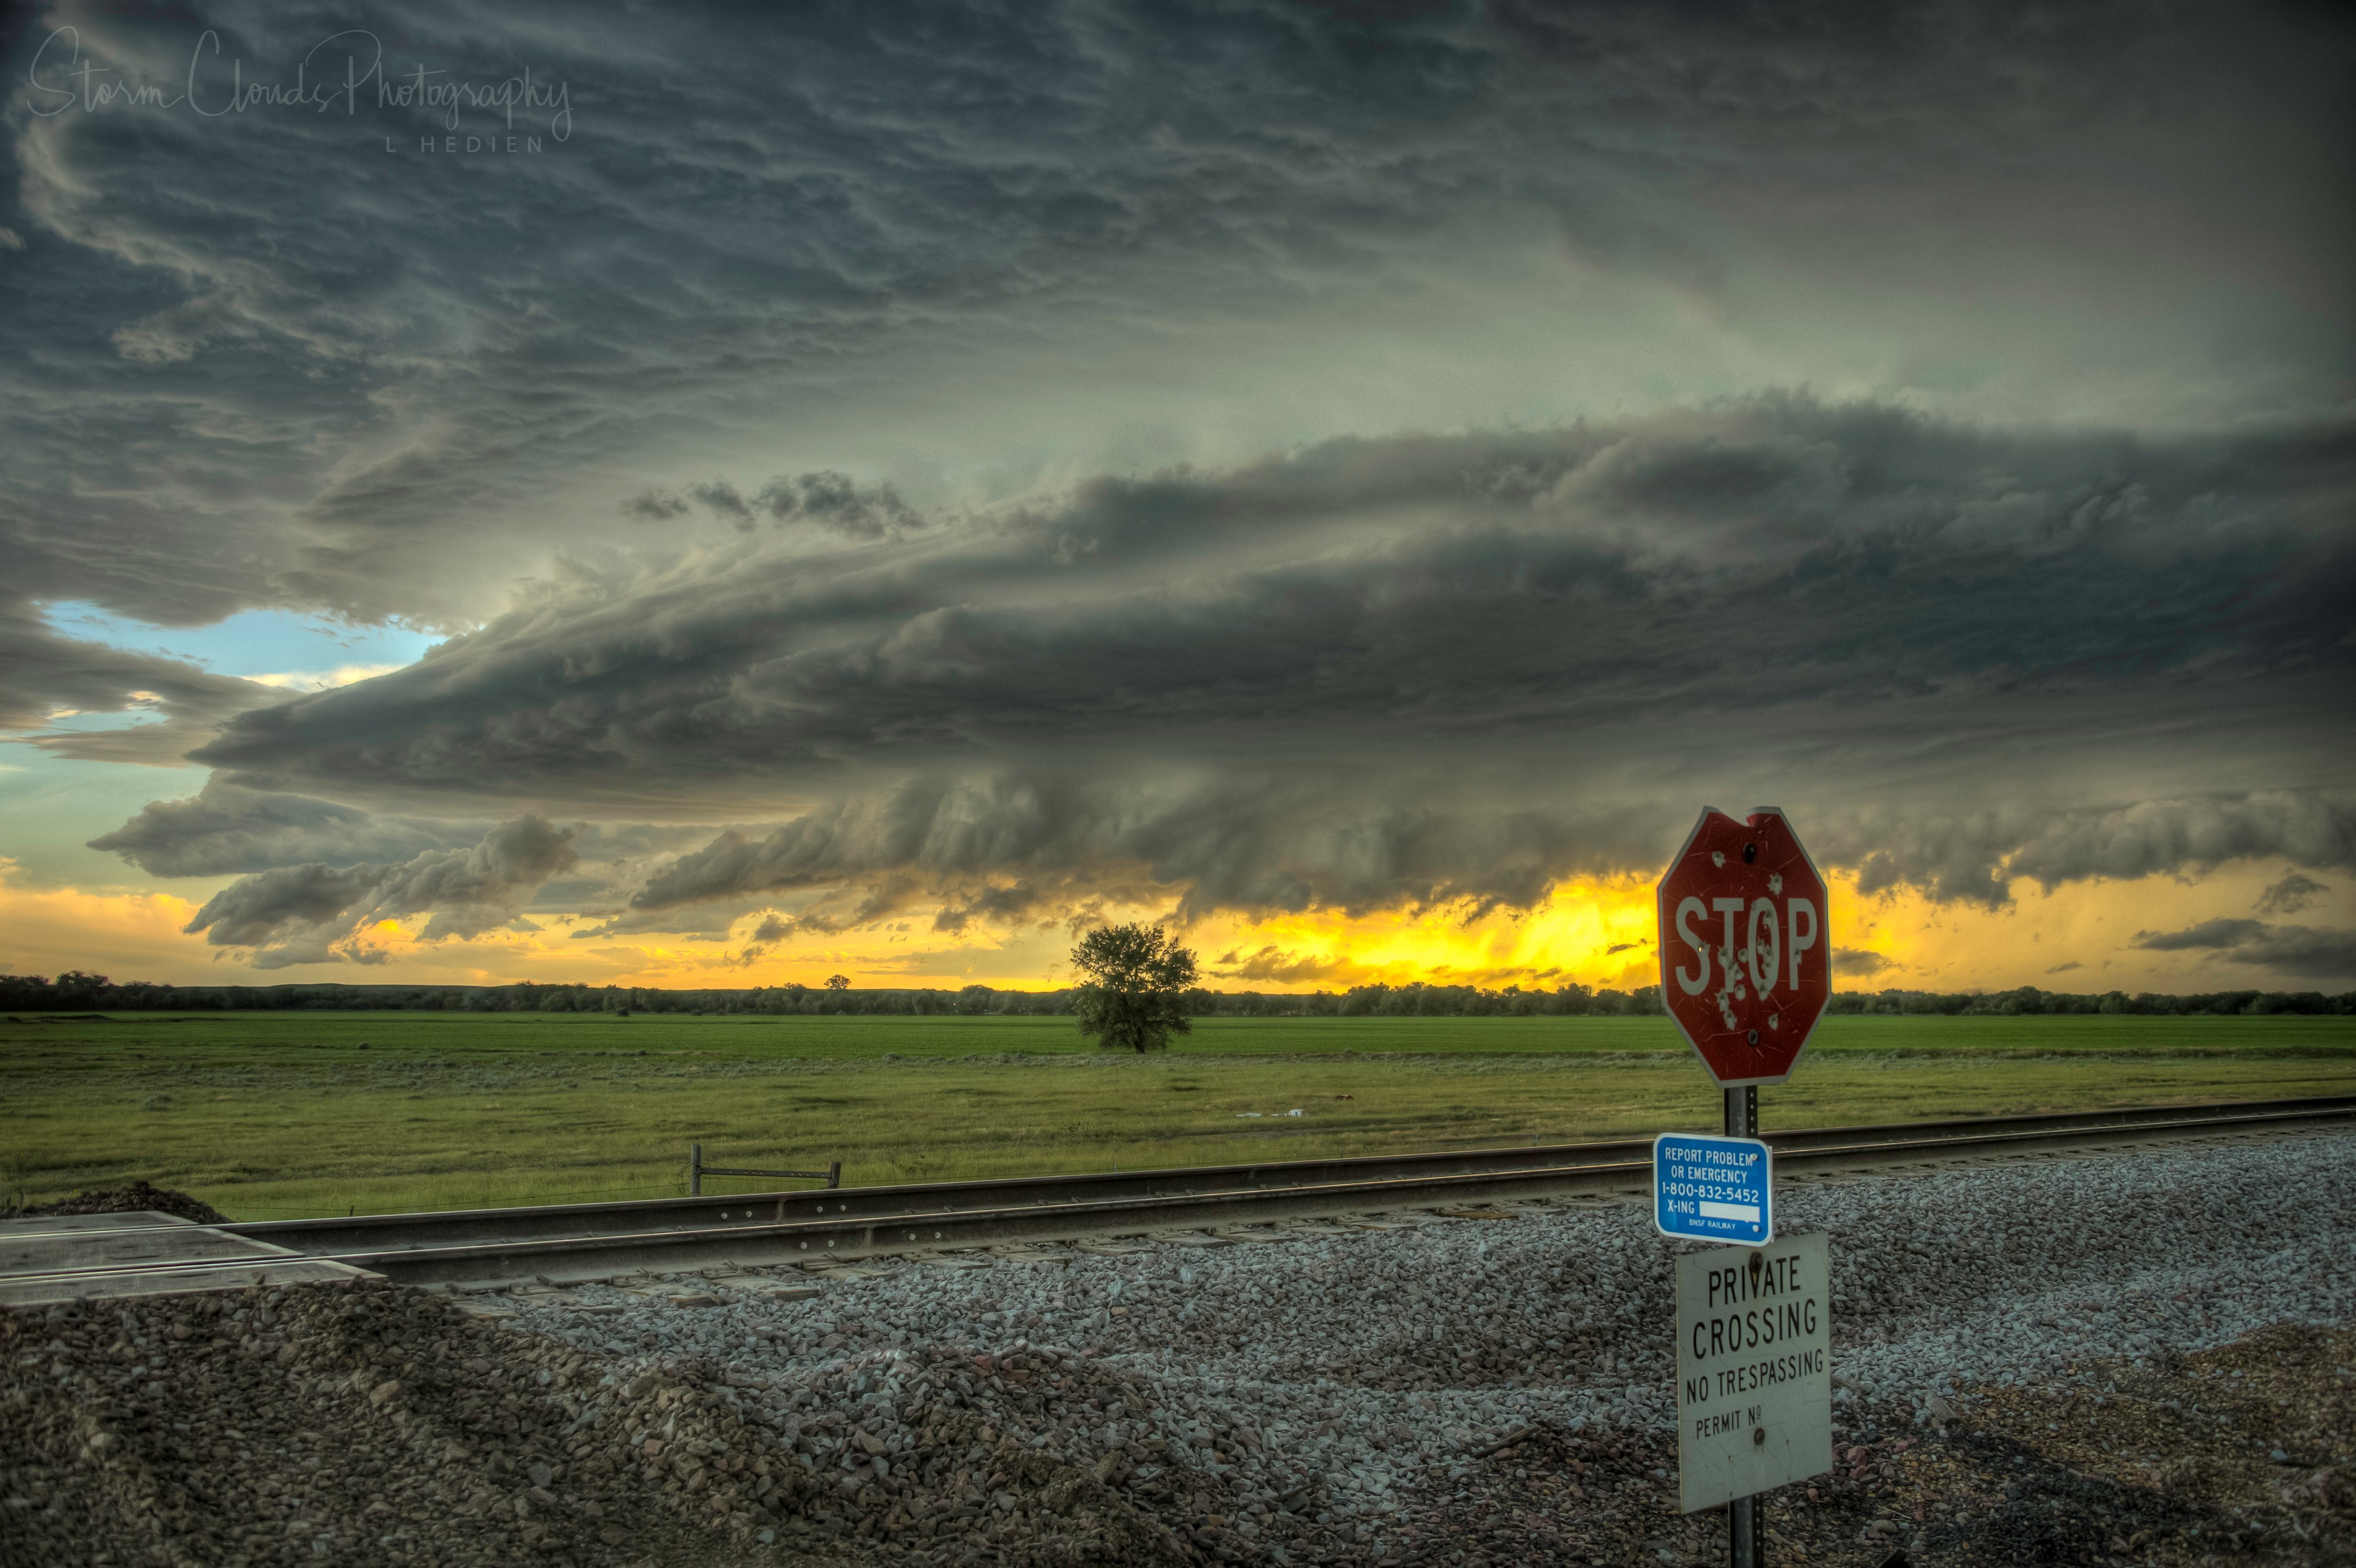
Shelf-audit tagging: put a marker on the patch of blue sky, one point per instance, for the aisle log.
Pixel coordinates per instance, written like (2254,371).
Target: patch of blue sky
(285,648)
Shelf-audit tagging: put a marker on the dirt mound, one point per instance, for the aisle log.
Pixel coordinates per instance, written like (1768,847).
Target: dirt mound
(128,1199)
(373,1423)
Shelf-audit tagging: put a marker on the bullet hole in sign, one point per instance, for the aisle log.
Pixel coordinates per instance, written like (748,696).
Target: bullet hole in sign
(1758,1436)
(1754,1036)
(1750,854)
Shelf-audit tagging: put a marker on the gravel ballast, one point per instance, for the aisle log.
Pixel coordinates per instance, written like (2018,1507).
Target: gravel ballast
(134,1198)
(1485,1387)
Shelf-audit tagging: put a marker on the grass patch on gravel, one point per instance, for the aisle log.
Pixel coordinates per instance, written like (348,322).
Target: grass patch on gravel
(2240,1454)
(274,1115)
(2169,1466)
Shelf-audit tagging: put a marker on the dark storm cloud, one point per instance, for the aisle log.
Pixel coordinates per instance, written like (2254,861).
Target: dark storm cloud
(724,498)
(223,829)
(2208,936)
(258,359)
(613,860)
(1971,855)
(1440,670)
(654,506)
(835,502)
(828,500)
(176,702)
(1252,841)
(773,929)
(2295,892)
(1274,965)
(2298,951)
(313,913)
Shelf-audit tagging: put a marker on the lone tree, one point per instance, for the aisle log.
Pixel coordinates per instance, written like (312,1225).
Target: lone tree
(1132,999)
(838,983)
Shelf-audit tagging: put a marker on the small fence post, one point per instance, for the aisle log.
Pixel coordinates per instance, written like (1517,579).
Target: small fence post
(697,1170)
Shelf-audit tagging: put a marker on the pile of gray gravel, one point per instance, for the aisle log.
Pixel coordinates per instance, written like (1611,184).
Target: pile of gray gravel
(1319,1380)
(362,1422)
(137,1198)
(1383,1389)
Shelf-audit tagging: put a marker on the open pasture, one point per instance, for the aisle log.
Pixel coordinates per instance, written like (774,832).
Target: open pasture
(275,1114)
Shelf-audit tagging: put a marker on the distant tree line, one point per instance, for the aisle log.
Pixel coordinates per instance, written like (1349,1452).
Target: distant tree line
(1417,1000)
(2029,1001)
(77,992)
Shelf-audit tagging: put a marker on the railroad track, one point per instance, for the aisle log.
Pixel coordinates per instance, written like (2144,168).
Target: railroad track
(576,1243)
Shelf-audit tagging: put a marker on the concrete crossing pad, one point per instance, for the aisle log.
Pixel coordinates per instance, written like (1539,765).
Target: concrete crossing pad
(64,1258)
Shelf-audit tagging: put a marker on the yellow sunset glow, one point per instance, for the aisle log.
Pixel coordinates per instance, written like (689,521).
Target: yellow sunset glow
(47,930)
(1592,932)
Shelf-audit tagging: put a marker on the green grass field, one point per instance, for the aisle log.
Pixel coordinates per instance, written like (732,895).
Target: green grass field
(272,1114)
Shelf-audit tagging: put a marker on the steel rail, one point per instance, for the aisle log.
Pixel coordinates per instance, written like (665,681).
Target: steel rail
(582,1242)
(369,1232)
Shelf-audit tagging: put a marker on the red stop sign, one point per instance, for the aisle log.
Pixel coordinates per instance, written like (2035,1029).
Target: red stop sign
(1746,960)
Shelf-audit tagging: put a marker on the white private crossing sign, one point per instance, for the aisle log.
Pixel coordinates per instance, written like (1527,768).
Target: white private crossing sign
(1754,1369)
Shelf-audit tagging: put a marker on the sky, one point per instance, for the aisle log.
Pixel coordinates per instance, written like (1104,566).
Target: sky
(703,495)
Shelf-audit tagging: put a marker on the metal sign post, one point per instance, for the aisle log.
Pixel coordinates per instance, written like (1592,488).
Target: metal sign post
(1745,946)
(1746,1546)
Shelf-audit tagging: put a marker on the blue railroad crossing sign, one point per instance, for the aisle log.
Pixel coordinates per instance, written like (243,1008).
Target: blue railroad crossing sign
(1711,1189)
